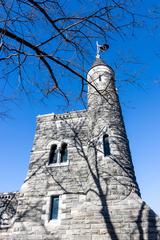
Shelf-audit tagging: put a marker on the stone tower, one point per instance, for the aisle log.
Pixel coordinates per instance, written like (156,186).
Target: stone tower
(81,183)
(105,120)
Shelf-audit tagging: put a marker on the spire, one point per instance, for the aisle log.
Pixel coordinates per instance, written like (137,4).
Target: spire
(100,48)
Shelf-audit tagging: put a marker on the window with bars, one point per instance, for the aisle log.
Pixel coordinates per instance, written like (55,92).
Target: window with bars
(54,208)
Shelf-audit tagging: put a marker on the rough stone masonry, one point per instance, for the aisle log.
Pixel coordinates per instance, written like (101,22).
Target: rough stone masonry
(81,183)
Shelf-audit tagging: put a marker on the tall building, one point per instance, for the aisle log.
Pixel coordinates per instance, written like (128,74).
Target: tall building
(81,183)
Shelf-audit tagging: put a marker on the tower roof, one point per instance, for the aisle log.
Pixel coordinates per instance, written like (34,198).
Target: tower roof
(98,62)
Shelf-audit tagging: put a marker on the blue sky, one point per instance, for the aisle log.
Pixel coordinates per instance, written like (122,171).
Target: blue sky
(140,103)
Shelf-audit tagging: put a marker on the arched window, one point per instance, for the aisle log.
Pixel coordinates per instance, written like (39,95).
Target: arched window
(64,152)
(106,147)
(53,154)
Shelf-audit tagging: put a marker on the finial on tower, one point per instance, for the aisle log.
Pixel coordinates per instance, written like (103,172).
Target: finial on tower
(102,48)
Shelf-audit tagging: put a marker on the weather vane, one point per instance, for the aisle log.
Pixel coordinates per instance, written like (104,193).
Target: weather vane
(101,48)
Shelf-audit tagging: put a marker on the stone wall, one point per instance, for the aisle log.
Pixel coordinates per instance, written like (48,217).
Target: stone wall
(99,197)
(85,212)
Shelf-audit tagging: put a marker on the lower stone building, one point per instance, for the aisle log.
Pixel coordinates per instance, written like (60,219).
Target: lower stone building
(81,183)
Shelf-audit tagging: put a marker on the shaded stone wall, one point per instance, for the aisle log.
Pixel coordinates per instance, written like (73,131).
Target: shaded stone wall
(8,206)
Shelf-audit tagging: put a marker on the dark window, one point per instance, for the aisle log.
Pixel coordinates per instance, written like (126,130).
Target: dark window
(53,154)
(106,146)
(64,152)
(54,207)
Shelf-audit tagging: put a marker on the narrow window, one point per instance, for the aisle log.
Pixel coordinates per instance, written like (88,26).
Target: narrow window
(64,153)
(54,207)
(106,147)
(53,154)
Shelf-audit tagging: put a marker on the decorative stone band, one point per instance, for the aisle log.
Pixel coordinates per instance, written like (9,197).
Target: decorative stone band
(69,115)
